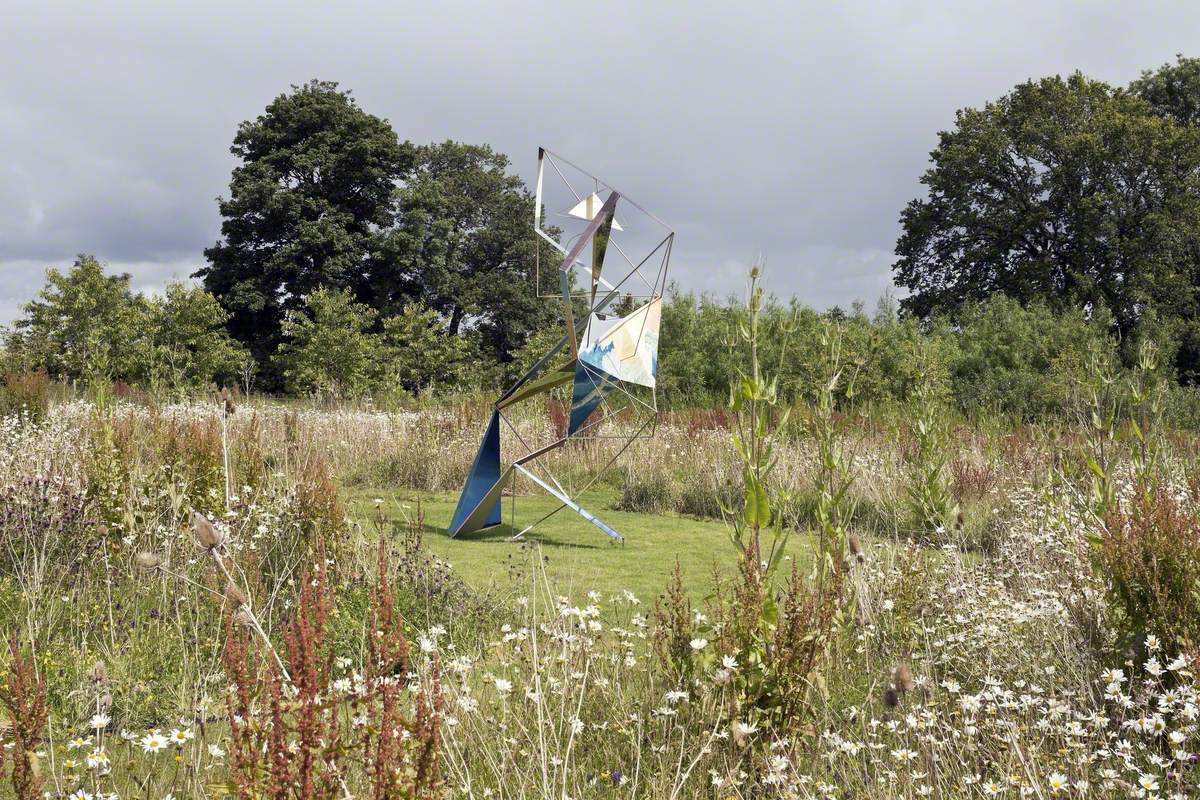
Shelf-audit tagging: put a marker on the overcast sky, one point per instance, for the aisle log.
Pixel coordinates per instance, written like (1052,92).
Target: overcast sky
(794,130)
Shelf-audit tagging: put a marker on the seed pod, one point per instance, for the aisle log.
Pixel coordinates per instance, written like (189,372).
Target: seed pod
(243,617)
(148,561)
(235,595)
(207,536)
(902,678)
(99,674)
(856,548)
(104,702)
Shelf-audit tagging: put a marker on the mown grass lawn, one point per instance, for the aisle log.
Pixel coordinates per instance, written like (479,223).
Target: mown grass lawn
(579,557)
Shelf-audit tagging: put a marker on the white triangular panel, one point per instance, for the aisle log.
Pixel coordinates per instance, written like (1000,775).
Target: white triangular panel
(588,208)
(625,347)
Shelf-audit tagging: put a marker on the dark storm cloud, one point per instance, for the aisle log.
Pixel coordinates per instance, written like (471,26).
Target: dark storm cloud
(797,131)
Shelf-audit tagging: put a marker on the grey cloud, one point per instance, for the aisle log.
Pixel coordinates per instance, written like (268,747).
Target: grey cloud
(797,131)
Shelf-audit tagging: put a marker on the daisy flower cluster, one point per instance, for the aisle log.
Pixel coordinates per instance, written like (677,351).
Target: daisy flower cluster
(1125,736)
(100,763)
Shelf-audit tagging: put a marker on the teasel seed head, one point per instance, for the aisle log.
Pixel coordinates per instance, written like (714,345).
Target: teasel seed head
(235,595)
(856,548)
(207,536)
(148,561)
(902,678)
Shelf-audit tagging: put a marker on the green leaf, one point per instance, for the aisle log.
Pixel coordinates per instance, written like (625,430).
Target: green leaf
(757,512)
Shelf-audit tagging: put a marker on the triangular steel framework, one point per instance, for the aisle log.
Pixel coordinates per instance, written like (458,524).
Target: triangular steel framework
(621,351)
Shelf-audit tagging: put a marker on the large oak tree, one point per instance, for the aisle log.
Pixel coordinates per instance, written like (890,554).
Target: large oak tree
(1066,191)
(326,196)
(463,243)
(316,184)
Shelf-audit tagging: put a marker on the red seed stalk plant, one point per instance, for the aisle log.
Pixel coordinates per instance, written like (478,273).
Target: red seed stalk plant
(23,694)
(299,735)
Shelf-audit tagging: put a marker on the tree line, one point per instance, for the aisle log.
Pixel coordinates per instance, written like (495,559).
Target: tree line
(1065,213)
(998,356)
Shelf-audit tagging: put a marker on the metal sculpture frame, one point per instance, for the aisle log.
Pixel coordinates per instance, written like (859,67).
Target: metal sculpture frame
(613,356)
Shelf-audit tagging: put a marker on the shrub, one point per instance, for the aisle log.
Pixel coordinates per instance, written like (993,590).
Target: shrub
(1015,358)
(698,498)
(26,392)
(653,493)
(1149,553)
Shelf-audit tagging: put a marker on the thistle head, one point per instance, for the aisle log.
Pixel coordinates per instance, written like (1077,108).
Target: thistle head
(99,674)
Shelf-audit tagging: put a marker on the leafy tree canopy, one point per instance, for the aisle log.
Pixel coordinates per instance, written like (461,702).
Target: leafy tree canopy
(190,347)
(86,324)
(332,349)
(329,347)
(316,183)
(327,196)
(1066,191)
(463,244)
(419,355)
(1172,90)
(83,323)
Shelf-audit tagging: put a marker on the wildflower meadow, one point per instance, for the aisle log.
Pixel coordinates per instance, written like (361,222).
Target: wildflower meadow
(239,597)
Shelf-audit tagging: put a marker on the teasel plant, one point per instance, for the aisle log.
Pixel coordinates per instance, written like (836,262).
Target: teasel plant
(753,399)
(225,400)
(930,499)
(835,474)
(215,543)
(1146,401)
(1100,422)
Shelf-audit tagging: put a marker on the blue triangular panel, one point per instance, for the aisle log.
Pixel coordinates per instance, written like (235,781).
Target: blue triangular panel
(591,387)
(482,477)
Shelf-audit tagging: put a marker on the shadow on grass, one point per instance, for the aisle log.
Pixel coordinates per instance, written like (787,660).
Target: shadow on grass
(505,533)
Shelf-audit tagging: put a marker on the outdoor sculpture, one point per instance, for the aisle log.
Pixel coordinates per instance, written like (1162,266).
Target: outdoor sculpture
(611,367)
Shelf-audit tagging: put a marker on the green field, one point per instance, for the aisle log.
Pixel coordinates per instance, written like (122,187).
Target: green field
(579,557)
